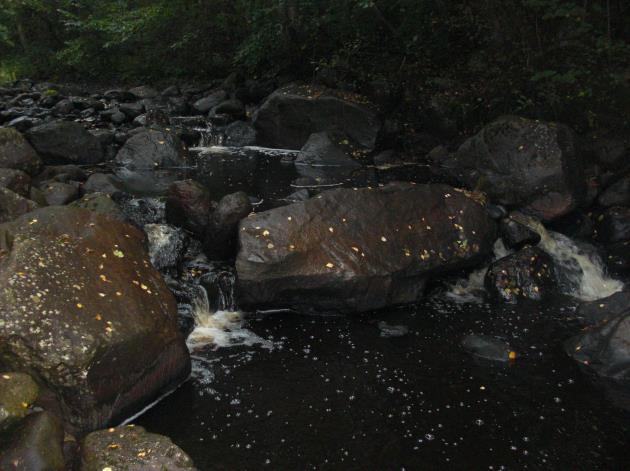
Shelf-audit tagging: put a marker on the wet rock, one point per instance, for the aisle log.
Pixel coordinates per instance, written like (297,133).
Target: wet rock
(24,123)
(204,105)
(18,392)
(612,150)
(64,141)
(171,91)
(526,274)
(353,251)
(299,195)
(16,152)
(13,205)
(100,203)
(618,258)
(140,211)
(328,148)
(61,173)
(107,340)
(516,235)
(103,183)
(239,134)
(188,205)
(614,225)
(603,310)
(16,181)
(520,163)
(37,445)
(605,347)
(63,108)
(617,194)
(144,92)
(233,108)
(487,347)
(131,447)
(291,114)
(221,233)
(118,118)
(496,211)
(132,110)
(150,149)
(57,193)
(166,245)
(120,95)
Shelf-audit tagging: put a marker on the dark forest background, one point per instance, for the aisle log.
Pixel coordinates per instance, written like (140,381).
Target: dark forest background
(554,59)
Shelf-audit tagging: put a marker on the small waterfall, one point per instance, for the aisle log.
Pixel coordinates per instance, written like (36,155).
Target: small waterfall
(582,273)
(217,323)
(471,289)
(209,136)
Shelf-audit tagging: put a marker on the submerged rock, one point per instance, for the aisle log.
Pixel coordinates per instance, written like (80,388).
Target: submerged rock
(16,152)
(65,141)
(526,274)
(18,392)
(360,250)
(36,444)
(131,447)
(290,115)
(487,347)
(520,163)
(605,348)
(106,340)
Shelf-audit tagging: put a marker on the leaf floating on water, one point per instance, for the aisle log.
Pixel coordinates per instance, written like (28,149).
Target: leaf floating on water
(118,253)
(80,306)
(383,239)
(330,265)
(265,233)
(270,246)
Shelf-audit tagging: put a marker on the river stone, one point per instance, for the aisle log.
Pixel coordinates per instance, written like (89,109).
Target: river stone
(36,445)
(57,193)
(526,274)
(100,203)
(617,194)
(291,114)
(103,183)
(239,134)
(521,163)
(221,233)
(17,153)
(328,148)
(515,234)
(16,181)
(65,141)
(487,347)
(106,341)
(188,205)
(131,447)
(13,205)
(614,225)
(605,348)
(18,392)
(144,92)
(205,104)
(150,149)
(359,250)
(166,245)
(603,310)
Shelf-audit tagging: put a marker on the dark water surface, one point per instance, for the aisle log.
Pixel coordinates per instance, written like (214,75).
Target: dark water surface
(342,393)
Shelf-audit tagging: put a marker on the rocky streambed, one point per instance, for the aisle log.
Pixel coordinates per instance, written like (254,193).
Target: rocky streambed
(273,277)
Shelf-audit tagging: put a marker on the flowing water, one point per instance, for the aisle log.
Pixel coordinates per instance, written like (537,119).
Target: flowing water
(389,390)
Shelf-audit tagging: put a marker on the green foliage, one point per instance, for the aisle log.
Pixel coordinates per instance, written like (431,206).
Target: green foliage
(558,59)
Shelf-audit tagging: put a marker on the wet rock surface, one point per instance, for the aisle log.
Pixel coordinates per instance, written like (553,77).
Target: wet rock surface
(291,115)
(106,338)
(131,447)
(18,391)
(524,164)
(349,250)
(36,444)
(526,274)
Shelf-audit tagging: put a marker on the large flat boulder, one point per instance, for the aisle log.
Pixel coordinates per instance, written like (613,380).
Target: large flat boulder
(84,311)
(65,142)
(359,250)
(524,164)
(291,114)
